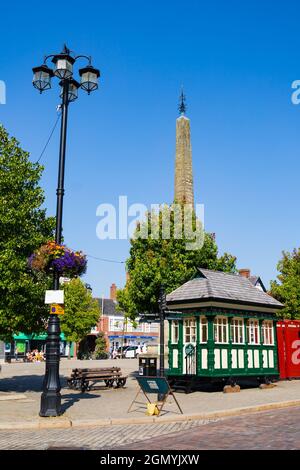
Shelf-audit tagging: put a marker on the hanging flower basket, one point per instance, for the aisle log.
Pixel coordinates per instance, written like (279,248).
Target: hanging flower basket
(52,257)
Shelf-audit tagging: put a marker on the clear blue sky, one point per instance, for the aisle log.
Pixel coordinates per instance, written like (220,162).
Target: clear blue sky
(237,61)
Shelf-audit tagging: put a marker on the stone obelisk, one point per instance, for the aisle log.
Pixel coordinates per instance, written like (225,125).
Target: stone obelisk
(184,188)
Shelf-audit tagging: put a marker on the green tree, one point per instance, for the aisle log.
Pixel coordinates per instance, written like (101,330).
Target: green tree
(82,312)
(101,347)
(287,290)
(23,228)
(168,261)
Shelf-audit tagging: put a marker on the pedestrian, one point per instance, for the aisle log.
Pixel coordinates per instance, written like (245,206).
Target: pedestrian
(114,354)
(16,353)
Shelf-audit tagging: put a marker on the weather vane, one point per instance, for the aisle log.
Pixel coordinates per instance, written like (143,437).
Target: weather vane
(182,103)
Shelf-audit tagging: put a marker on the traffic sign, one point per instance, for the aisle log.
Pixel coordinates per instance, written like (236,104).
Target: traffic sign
(57,309)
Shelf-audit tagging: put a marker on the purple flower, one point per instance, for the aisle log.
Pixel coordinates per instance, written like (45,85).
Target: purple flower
(69,263)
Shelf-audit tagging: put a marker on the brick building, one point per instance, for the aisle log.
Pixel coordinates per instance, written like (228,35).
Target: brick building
(118,330)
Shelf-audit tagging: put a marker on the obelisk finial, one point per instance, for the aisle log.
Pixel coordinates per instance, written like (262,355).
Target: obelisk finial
(182,103)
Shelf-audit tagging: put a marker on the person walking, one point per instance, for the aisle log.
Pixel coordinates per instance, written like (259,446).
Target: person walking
(114,354)
(16,353)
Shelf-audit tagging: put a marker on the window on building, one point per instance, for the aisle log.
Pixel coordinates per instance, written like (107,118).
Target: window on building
(138,327)
(175,331)
(190,330)
(221,330)
(237,331)
(203,329)
(267,328)
(154,327)
(115,324)
(146,327)
(253,332)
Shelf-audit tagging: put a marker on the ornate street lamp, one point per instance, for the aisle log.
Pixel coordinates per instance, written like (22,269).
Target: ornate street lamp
(89,78)
(63,69)
(42,78)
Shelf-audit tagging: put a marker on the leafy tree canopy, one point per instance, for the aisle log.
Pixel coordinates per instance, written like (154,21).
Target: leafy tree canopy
(168,261)
(81,311)
(287,290)
(23,228)
(101,347)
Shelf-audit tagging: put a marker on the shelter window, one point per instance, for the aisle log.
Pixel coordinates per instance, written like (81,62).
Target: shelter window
(175,331)
(203,330)
(253,332)
(221,330)
(268,335)
(237,331)
(190,330)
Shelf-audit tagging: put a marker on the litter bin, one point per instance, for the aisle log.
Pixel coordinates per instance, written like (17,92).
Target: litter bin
(147,365)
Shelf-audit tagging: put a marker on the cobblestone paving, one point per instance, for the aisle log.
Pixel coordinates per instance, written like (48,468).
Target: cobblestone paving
(278,429)
(90,438)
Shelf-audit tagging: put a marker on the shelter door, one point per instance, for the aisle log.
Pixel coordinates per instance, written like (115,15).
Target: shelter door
(189,346)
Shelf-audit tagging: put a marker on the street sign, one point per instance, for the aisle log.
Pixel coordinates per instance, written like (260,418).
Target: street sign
(57,309)
(54,297)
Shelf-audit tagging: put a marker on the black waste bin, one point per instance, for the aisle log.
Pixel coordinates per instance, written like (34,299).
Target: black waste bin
(147,365)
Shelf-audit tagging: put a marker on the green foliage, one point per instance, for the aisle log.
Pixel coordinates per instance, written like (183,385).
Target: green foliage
(287,290)
(168,261)
(81,311)
(101,347)
(23,228)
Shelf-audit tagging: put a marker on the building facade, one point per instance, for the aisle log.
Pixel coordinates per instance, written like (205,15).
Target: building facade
(118,330)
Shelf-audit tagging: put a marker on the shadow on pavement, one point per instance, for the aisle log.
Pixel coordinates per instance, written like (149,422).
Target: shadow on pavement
(21,383)
(70,399)
(25,383)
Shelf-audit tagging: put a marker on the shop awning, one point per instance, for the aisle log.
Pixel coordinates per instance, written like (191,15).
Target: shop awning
(34,336)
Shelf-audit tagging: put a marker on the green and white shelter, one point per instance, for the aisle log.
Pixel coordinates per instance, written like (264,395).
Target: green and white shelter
(223,327)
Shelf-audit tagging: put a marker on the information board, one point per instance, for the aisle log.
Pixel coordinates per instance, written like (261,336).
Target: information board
(153,384)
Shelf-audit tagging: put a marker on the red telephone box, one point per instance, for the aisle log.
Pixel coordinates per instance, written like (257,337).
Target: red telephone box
(288,340)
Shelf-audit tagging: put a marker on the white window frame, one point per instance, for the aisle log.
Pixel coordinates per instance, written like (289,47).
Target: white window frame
(175,331)
(154,328)
(203,324)
(221,326)
(190,323)
(252,331)
(268,333)
(237,331)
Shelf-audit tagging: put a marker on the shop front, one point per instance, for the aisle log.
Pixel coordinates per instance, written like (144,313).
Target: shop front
(22,344)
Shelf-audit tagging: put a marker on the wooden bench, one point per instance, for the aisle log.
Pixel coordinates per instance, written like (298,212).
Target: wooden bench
(85,379)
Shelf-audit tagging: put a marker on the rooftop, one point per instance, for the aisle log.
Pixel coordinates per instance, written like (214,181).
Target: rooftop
(210,285)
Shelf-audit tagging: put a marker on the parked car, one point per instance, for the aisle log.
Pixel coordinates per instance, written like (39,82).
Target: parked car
(128,352)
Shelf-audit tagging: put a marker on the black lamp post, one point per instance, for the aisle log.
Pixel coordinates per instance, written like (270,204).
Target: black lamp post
(63,69)
(162,314)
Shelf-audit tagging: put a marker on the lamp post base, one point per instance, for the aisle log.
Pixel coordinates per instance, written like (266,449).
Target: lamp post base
(50,404)
(51,397)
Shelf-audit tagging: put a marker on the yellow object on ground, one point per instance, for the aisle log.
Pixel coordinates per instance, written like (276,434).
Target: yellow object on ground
(152,409)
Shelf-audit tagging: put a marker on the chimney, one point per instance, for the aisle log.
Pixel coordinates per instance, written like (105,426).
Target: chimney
(113,292)
(244,273)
